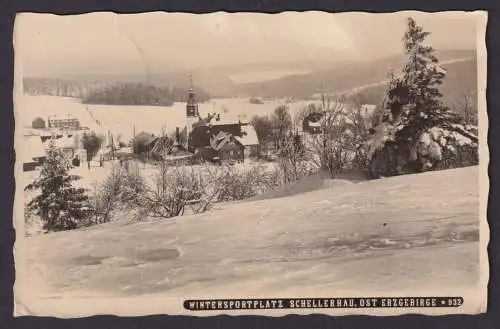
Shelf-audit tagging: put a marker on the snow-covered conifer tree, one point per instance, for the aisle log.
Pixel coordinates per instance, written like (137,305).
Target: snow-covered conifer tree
(60,205)
(418,130)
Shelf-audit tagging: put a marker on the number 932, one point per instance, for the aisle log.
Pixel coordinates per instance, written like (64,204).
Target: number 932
(455,302)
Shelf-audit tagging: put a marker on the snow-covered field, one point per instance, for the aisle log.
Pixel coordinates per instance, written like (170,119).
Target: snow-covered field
(27,108)
(415,235)
(121,120)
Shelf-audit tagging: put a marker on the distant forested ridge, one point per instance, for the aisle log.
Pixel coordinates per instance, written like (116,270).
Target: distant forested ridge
(347,77)
(108,93)
(60,87)
(141,94)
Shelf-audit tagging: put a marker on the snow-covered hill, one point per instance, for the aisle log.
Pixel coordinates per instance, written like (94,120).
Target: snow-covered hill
(410,235)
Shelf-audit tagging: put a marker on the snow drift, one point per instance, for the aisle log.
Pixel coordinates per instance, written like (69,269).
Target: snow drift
(407,235)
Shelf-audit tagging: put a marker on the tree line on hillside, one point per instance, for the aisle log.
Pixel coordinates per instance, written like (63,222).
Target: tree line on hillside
(59,87)
(412,131)
(111,93)
(141,94)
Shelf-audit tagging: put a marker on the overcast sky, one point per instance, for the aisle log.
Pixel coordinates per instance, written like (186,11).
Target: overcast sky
(111,43)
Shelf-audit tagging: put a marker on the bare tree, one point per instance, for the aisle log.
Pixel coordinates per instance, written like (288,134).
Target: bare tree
(466,107)
(264,129)
(343,129)
(360,120)
(292,160)
(282,124)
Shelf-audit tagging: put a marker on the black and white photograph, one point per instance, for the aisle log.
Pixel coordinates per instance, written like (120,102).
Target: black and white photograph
(250,163)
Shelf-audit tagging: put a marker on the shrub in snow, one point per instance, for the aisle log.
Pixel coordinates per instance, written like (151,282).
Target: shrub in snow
(174,188)
(59,204)
(418,131)
(122,189)
(199,187)
(234,184)
(453,147)
(281,124)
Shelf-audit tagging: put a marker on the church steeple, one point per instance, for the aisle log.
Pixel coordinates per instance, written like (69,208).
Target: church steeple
(191,105)
(192,114)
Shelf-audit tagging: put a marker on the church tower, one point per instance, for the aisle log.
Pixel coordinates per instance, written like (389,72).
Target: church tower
(192,114)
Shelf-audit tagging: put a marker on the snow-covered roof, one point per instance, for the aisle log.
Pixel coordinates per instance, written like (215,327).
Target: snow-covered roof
(63,142)
(127,150)
(47,133)
(62,117)
(31,148)
(226,121)
(249,136)
(314,124)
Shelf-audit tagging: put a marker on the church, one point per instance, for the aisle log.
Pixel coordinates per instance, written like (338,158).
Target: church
(203,134)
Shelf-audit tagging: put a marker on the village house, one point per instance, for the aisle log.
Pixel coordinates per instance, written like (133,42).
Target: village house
(200,132)
(142,142)
(227,148)
(244,137)
(232,151)
(46,135)
(66,122)
(38,123)
(34,150)
(243,131)
(312,123)
(249,139)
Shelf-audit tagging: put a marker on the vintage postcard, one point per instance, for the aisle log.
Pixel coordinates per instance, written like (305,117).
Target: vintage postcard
(247,163)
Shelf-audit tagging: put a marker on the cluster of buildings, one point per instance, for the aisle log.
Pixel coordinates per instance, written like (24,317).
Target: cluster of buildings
(212,138)
(62,130)
(215,138)
(237,138)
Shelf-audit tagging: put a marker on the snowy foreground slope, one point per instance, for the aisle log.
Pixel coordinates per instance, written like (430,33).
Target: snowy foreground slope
(415,235)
